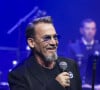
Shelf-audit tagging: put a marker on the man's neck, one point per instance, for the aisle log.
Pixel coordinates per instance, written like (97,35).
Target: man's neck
(43,63)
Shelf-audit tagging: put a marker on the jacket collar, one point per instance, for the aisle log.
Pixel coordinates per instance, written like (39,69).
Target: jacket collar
(86,43)
(36,70)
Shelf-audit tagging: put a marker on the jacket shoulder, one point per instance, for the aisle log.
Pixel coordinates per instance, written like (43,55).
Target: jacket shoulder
(21,67)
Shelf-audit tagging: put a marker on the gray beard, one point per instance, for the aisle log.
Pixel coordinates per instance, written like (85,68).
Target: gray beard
(53,57)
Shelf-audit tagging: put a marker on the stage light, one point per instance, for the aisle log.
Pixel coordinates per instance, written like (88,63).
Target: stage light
(14,62)
(28,48)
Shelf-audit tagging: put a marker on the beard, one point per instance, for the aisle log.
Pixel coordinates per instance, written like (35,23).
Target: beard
(51,58)
(47,58)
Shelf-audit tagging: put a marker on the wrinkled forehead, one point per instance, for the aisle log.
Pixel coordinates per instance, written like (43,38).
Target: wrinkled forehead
(42,29)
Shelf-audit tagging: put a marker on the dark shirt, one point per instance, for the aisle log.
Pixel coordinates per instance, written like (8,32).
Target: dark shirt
(51,73)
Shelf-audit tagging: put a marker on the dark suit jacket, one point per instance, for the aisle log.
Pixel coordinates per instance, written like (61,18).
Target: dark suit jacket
(28,76)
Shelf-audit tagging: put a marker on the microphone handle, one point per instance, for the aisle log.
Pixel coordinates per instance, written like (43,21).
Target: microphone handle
(67,88)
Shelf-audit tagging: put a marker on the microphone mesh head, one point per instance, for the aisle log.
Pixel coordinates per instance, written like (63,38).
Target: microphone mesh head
(63,65)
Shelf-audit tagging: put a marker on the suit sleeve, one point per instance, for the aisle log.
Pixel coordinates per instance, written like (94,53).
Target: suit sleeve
(16,82)
(54,85)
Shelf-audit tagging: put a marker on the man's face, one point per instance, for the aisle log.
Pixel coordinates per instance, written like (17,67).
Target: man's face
(45,40)
(88,30)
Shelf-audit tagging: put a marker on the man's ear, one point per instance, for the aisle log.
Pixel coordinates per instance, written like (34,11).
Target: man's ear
(30,42)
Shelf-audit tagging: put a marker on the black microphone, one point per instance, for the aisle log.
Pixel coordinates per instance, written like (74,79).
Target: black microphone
(97,54)
(63,66)
(95,58)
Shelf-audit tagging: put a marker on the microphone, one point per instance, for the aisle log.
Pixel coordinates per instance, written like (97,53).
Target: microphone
(96,56)
(63,65)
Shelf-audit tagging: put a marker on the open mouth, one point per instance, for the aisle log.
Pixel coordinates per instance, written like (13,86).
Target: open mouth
(51,49)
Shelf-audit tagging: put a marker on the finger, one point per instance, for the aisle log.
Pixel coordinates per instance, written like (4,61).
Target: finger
(68,81)
(67,77)
(66,84)
(65,73)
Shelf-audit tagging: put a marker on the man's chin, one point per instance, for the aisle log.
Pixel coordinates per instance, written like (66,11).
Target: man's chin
(52,57)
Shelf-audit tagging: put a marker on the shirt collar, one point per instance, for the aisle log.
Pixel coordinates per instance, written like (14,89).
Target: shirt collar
(87,43)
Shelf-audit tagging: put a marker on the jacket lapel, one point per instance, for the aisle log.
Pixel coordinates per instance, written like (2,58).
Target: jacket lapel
(36,70)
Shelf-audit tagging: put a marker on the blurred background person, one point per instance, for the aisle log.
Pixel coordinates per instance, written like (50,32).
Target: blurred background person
(83,51)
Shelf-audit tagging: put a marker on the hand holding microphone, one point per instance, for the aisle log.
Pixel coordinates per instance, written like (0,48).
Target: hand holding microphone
(64,77)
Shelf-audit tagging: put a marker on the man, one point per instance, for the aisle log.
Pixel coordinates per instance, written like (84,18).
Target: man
(84,49)
(41,70)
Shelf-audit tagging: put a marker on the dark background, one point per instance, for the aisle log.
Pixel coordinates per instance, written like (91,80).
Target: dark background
(66,14)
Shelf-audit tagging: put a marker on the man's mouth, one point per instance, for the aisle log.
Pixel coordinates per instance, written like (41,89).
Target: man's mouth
(51,49)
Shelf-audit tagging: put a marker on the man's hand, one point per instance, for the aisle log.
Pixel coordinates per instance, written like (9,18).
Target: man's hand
(64,79)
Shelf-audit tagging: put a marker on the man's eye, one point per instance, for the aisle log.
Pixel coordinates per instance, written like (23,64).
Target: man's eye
(47,38)
(56,37)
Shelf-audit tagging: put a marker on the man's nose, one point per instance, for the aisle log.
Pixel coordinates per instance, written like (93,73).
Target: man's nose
(53,41)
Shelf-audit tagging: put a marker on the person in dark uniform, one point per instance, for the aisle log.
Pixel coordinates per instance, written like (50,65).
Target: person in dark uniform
(41,71)
(82,51)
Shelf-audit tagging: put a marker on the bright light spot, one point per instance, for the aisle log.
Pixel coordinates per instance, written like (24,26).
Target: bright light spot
(28,48)
(10,70)
(4,83)
(97,53)
(14,62)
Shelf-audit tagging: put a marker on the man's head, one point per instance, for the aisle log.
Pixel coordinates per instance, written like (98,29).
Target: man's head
(88,29)
(42,38)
